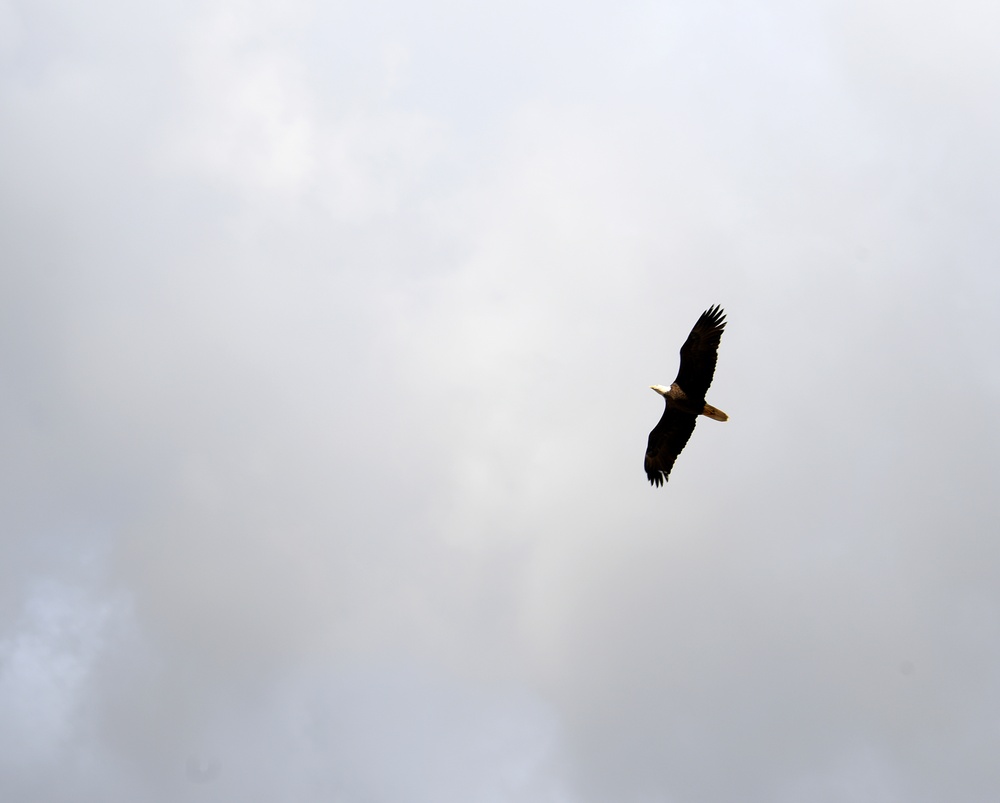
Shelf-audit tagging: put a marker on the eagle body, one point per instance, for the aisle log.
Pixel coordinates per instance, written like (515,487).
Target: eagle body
(684,400)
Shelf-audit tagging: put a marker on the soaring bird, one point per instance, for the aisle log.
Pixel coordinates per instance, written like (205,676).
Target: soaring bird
(685,398)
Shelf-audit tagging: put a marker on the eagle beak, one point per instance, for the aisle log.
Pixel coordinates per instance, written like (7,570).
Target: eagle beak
(659,389)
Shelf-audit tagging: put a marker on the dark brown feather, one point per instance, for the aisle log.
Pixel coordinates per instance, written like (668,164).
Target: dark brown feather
(665,443)
(700,352)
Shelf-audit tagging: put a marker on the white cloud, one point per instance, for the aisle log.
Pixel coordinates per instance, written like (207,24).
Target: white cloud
(326,346)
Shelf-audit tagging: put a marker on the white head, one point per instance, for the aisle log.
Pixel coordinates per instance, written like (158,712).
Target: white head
(660,389)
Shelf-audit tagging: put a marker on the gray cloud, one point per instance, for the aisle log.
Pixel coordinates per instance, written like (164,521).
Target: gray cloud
(325,336)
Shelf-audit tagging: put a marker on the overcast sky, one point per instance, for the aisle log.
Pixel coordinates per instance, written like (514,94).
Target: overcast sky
(326,337)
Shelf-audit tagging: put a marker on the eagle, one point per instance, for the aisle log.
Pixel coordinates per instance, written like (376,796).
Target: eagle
(685,398)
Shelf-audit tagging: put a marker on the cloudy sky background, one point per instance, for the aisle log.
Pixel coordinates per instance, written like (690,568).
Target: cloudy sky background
(326,332)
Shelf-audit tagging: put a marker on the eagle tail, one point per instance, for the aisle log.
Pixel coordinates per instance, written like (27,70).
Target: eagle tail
(714,413)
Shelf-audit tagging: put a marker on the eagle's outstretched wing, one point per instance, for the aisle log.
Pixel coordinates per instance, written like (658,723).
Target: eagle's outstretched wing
(666,441)
(699,354)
